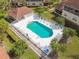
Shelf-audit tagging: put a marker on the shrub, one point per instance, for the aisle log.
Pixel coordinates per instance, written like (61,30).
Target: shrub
(60,20)
(18,49)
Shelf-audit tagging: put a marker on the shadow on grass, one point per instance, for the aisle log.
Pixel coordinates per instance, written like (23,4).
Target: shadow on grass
(78,33)
(53,55)
(74,56)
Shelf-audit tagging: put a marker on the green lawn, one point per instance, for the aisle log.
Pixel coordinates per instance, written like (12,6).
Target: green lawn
(7,43)
(29,54)
(47,15)
(12,34)
(72,51)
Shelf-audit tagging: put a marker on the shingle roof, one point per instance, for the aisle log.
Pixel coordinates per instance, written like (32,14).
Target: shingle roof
(19,12)
(61,5)
(73,3)
(3,53)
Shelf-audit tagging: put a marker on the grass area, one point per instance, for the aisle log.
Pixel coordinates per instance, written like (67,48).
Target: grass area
(29,54)
(44,12)
(8,44)
(47,15)
(4,38)
(72,51)
(5,25)
(12,34)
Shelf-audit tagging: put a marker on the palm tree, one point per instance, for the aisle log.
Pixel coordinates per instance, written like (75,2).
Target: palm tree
(20,46)
(2,34)
(55,1)
(3,28)
(60,20)
(40,10)
(5,4)
(72,32)
(18,49)
(3,24)
(67,32)
(2,14)
(56,46)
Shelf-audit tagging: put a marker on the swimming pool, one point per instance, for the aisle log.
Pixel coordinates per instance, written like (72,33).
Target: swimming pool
(40,29)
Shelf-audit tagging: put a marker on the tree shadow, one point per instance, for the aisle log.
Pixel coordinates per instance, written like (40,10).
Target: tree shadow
(78,33)
(74,56)
(53,55)
(65,40)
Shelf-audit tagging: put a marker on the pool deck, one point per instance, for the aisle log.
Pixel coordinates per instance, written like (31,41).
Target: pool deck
(39,42)
(37,50)
(30,44)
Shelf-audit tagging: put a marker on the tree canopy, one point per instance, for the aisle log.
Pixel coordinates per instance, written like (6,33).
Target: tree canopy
(4,4)
(69,32)
(56,46)
(40,10)
(18,49)
(60,20)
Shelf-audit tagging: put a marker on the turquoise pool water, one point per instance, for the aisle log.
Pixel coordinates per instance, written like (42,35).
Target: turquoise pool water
(40,29)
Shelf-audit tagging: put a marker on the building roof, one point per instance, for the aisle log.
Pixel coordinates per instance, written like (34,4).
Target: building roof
(73,3)
(61,5)
(3,53)
(19,12)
